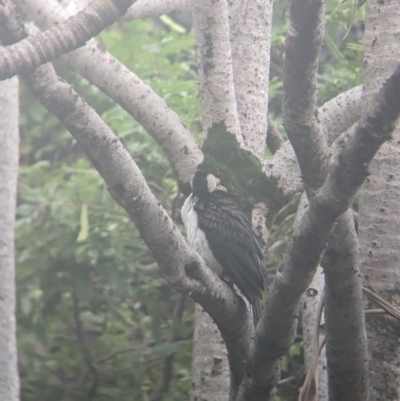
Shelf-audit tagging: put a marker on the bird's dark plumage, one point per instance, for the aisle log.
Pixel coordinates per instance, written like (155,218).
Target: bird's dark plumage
(230,237)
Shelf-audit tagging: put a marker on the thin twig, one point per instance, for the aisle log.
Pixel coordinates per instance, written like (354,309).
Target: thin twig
(390,309)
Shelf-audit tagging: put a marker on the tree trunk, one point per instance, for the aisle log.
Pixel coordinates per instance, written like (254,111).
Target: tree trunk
(379,205)
(9,144)
(210,369)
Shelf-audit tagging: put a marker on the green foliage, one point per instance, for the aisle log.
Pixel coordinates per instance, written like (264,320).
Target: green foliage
(163,60)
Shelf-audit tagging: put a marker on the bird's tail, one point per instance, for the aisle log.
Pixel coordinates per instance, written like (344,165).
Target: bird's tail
(256,308)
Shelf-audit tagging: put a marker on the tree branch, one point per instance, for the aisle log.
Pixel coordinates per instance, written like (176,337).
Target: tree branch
(283,168)
(131,93)
(311,299)
(9,146)
(308,142)
(214,60)
(275,331)
(340,113)
(346,337)
(154,8)
(250,32)
(67,36)
(303,43)
(379,203)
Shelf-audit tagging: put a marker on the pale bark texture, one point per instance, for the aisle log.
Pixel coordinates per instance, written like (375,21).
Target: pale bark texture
(154,8)
(379,206)
(274,137)
(283,169)
(346,337)
(309,306)
(214,59)
(9,147)
(210,368)
(250,27)
(340,113)
(129,91)
(302,47)
(310,303)
(67,36)
(217,93)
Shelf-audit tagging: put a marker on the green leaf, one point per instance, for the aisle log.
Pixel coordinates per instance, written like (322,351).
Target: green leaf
(84,232)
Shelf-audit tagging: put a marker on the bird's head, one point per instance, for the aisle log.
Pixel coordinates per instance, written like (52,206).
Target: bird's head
(204,183)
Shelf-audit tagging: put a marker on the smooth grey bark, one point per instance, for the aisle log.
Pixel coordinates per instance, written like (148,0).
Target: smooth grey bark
(379,206)
(9,151)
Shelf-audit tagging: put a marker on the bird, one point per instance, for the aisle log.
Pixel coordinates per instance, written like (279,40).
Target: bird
(220,232)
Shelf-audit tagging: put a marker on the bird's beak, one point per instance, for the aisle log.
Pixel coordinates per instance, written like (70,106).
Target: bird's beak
(221,188)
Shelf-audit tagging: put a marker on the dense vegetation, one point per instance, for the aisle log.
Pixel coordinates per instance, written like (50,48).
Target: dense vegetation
(95,321)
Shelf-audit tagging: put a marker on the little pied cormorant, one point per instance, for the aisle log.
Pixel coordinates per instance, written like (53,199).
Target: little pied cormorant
(219,231)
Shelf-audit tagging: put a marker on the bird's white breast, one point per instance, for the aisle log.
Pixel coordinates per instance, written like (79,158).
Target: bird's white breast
(196,237)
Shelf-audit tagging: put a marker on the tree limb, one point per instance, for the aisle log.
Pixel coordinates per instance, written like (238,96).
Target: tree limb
(340,113)
(250,32)
(214,60)
(345,335)
(379,203)
(303,43)
(67,36)
(304,132)
(9,146)
(309,389)
(386,306)
(283,168)
(154,8)
(130,92)
(276,329)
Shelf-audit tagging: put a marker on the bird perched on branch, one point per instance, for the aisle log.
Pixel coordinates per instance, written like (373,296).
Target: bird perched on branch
(219,231)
